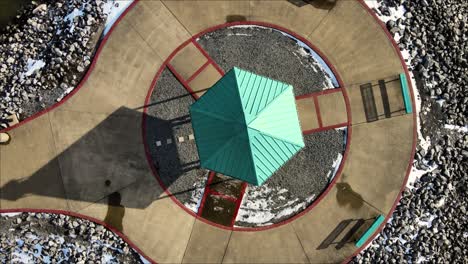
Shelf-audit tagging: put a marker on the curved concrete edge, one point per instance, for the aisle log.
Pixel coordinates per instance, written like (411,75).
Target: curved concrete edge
(415,134)
(82,216)
(340,83)
(85,77)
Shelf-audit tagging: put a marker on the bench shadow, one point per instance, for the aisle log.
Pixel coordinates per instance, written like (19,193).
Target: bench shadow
(320,4)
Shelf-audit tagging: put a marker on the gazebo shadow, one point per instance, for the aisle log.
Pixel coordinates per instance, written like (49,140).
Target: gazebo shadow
(108,165)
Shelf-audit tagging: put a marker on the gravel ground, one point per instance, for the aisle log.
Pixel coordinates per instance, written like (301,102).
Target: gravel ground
(295,185)
(168,118)
(52,238)
(45,52)
(282,59)
(430,223)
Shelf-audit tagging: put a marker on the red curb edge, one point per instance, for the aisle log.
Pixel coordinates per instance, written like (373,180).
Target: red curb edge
(415,132)
(195,43)
(317,112)
(197,72)
(85,77)
(320,129)
(340,84)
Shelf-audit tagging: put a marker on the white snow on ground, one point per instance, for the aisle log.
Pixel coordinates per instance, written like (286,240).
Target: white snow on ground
(143,260)
(114,10)
(457,128)
(426,222)
(71,17)
(336,165)
(255,206)
(10,214)
(65,93)
(196,195)
(395,13)
(33,66)
(415,174)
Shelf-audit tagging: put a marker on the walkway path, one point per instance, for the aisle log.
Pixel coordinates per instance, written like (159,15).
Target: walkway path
(73,157)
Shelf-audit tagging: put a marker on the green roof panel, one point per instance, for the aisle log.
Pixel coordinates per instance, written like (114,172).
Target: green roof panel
(246,126)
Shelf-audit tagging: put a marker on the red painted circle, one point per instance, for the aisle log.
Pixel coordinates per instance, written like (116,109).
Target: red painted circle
(341,88)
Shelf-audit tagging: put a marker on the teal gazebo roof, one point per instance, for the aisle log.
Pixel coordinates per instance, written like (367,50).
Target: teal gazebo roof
(246,126)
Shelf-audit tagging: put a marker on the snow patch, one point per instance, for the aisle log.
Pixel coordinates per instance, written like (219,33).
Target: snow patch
(336,165)
(114,9)
(196,195)
(256,208)
(460,129)
(71,17)
(10,214)
(32,67)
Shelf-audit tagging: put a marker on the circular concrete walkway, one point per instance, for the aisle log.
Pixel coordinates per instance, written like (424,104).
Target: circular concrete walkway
(59,161)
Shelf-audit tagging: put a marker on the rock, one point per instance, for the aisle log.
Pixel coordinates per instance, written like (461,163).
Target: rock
(40,8)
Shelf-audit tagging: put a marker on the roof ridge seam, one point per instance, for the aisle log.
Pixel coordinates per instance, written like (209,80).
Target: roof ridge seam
(268,105)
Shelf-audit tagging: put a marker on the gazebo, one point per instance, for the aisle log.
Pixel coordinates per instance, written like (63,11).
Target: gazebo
(246,126)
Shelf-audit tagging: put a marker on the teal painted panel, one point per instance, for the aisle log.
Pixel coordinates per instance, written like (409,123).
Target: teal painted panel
(406,93)
(370,231)
(269,154)
(256,92)
(280,120)
(212,132)
(222,100)
(246,126)
(233,159)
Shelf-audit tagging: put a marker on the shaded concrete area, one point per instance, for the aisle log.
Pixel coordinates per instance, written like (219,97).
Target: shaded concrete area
(105,159)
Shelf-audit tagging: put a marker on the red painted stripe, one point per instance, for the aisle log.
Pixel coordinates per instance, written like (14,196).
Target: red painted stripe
(323,92)
(207,57)
(317,111)
(182,81)
(320,129)
(206,192)
(238,203)
(195,74)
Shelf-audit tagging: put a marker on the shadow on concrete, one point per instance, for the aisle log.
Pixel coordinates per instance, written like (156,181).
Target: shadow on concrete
(354,229)
(320,4)
(115,211)
(108,165)
(235,18)
(347,197)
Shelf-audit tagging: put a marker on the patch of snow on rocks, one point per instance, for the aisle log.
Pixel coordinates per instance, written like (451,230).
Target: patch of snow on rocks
(461,129)
(71,17)
(33,66)
(196,196)
(114,9)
